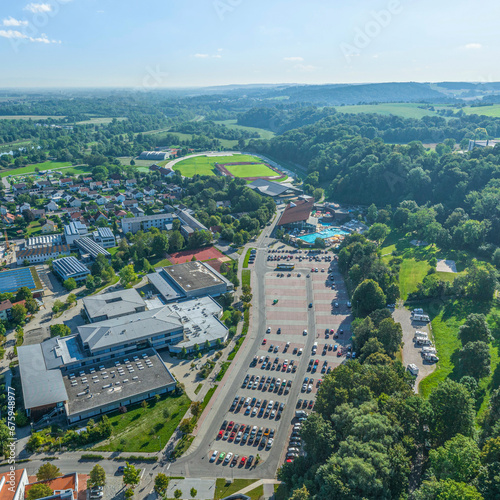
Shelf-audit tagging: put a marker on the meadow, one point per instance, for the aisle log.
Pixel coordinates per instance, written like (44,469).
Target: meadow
(264,134)
(30,117)
(405,110)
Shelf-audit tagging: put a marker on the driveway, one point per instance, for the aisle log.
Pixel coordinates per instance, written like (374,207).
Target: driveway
(411,352)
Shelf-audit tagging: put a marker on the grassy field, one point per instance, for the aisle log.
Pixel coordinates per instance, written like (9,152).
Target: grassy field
(446,321)
(205,165)
(99,121)
(412,273)
(65,166)
(406,110)
(222,490)
(245,277)
(493,110)
(247,257)
(143,429)
(30,117)
(264,134)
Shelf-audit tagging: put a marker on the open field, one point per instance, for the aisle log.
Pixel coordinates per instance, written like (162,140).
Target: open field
(64,166)
(99,121)
(493,110)
(406,110)
(446,321)
(29,117)
(264,134)
(205,165)
(143,429)
(412,273)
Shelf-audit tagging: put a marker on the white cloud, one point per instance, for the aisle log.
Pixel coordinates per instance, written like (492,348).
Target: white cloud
(294,59)
(217,56)
(201,56)
(37,8)
(473,46)
(14,22)
(14,34)
(306,68)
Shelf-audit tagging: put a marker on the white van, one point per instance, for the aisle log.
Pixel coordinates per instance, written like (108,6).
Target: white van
(422,341)
(314,347)
(413,369)
(428,349)
(431,358)
(421,317)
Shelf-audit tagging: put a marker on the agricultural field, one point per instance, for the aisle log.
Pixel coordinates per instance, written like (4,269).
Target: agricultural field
(205,165)
(493,110)
(405,110)
(264,134)
(63,166)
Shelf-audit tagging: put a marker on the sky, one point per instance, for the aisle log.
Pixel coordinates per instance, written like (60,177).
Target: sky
(191,43)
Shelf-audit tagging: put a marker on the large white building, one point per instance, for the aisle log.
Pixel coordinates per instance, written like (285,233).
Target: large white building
(146,222)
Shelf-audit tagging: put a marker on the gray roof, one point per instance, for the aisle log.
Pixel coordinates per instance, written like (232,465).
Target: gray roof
(105,383)
(87,245)
(119,331)
(160,281)
(40,385)
(74,228)
(272,188)
(195,275)
(113,304)
(189,220)
(105,232)
(69,266)
(58,351)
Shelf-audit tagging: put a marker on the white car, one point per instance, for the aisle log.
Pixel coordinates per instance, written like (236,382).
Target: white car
(228,458)
(270,443)
(268,329)
(214,456)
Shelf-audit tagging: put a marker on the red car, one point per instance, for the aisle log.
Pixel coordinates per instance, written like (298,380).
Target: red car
(284,367)
(264,342)
(232,436)
(339,353)
(243,461)
(230,426)
(316,362)
(221,433)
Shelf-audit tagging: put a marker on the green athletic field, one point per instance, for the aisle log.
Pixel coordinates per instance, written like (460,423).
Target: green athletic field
(205,165)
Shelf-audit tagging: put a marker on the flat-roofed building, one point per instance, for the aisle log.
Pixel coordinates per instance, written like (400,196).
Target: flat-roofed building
(70,267)
(105,237)
(113,305)
(146,222)
(74,231)
(189,280)
(89,249)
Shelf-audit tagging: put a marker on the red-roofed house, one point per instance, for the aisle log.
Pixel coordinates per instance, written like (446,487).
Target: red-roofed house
(66,486)
(12,484)
(67,181)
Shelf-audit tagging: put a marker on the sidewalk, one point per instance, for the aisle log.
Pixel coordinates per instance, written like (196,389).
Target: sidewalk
(256,485)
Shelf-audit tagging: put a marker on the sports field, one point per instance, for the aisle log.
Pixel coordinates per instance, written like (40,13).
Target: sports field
(205,165)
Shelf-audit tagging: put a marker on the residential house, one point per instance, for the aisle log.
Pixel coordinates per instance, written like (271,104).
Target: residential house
(137,211)
(121,213)
(120,198)
(23,207)
(112,183)
(130,183)
(128,204)
(87,180)
(52,206)
(49,227)
(66,181)
(75,202)
(101,200)
(75,187)
(75,216)
(149,191)
(84,191)
(20,187)
(63,487)
(8,219)
(138,195)
(96,185)
(3,210)
(43,184)
(93,194)
(12,484)
(5,308)
(38,213)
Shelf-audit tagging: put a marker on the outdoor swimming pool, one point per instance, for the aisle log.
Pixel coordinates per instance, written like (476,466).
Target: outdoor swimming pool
(327,233)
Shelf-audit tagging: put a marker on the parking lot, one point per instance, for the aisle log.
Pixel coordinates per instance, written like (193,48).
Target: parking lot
(306,312)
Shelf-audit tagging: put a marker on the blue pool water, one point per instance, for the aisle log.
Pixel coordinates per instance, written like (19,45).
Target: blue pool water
(327,233)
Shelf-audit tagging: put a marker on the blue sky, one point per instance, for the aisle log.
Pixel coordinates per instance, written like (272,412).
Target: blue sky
(173,43)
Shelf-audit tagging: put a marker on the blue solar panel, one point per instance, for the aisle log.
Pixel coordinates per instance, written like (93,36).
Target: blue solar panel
(13,280)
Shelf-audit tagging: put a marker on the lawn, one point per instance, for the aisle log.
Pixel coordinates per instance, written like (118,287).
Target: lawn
(247,257)
(446,320)
(99,121)
(493,110)
(411,273)
(222,489)
(245,277)
(138,430)
(406,110)
(205,165)
(264,134)
(256,493)
(29,169)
